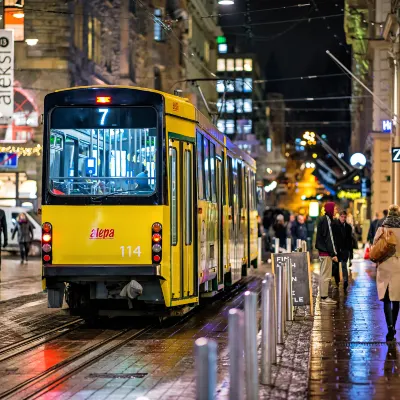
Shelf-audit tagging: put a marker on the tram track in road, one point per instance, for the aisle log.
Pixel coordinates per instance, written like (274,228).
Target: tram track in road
(47,380)
(31,342)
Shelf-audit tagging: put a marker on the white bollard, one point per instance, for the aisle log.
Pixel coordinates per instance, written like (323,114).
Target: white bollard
(206,368)
(298,244)
(236,353)
(288,245)
(281,303)
(260,250)
(276,245)
(250,353)
(268,338)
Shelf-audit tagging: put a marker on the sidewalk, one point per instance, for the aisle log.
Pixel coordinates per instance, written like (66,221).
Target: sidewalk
(18,280)
(350,358)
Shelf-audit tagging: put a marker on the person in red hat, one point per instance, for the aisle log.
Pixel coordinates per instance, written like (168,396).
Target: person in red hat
(325,244)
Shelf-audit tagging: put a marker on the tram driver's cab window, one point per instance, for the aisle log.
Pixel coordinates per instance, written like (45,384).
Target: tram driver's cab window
(103,151)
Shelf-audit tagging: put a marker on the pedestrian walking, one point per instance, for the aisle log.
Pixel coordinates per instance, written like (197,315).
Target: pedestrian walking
(380,222)
(298,229)
(388,273)
(280,229)
(342,234)
(325,244)
(372,228)
(3,228)
(25,235)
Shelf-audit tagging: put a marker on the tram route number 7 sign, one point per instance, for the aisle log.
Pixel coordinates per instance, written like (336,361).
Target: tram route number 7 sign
(395,154)
(8,160)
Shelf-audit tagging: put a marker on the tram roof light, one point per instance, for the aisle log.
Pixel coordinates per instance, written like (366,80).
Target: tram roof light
(103,99)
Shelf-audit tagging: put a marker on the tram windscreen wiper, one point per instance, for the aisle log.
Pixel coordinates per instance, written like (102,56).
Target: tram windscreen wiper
(105,196)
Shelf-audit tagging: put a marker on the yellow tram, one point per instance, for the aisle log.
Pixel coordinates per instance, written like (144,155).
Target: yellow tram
(146,206)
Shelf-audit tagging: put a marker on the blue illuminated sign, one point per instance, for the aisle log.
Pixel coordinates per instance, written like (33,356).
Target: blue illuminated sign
(386,125)
(91,167)
(9,160)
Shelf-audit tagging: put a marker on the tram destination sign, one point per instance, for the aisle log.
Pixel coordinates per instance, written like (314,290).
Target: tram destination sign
(6,73)
(301,276)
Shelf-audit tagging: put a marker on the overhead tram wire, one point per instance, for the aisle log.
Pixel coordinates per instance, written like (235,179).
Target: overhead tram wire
(309,99)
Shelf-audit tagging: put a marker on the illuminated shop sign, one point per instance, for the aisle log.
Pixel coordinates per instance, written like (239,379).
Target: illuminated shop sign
(386,125)
(343,194)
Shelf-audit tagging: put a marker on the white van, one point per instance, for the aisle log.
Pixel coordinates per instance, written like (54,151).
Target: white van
(11,216)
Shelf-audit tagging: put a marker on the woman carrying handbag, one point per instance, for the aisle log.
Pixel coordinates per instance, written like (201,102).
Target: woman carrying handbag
(385,251)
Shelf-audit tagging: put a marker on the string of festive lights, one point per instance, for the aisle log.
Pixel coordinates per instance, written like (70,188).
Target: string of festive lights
(23,151)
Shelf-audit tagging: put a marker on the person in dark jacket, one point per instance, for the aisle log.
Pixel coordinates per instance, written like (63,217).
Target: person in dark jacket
(325,244)
(280,229)
(298,230)
(380,222)
(25,235)
(3,227)
(342,234)
(373,228)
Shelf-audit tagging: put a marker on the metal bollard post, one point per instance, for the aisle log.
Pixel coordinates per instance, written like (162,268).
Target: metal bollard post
(289,302)
(281,304)
(268,342)
(260,251)
(298,244)
(284,296)
(274,320)
(236,366)
(206,368)
(288,245)
(276,245)
(304,245)
(250,353)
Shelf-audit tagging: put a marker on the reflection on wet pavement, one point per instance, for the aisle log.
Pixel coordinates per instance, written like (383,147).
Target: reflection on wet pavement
(350,358)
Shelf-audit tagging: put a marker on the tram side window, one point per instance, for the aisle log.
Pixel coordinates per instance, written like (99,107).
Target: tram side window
(254,190)
(230,181)
(200,163)
(240,186)
(213,172)
(223,183)
(174,198)
(207,168)
(189,203)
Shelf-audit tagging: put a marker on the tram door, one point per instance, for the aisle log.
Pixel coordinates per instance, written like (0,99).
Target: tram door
(220,217)
(181,172)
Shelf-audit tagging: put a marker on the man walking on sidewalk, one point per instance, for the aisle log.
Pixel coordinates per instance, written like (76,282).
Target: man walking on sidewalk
(325,244)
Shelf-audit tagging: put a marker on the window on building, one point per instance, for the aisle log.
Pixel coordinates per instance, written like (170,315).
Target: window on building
(230,126)
(14,18)
(108,51)
(159,33)
(221,64)
(132,7)
(220,105)
(238,64)
(244,126)
(94,40)
(157,79)
(230,64)
(239,105)
(239,84)
(248,85)
(230,106)
(230,87)
(248,64)
(222,48)
(207,51)
(220,87)
(221,125)
(247,105)
(78,25)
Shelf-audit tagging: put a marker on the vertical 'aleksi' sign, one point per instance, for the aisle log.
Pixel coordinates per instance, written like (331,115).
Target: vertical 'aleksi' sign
(6,73)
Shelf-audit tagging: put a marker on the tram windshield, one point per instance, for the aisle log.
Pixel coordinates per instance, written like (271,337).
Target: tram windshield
(97,151)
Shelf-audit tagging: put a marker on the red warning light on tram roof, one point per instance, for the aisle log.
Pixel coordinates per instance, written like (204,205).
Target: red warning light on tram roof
(103,99)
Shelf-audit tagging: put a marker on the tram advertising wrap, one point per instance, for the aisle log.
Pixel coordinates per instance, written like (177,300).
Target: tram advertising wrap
(146,206)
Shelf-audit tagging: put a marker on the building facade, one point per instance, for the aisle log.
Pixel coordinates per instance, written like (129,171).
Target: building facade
(241,113)
(367,31)
(149,43)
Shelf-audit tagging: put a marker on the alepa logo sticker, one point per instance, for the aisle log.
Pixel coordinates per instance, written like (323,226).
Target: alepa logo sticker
(102,234)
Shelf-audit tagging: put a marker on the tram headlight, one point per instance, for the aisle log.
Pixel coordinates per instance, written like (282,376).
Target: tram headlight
(46,237)
(156,238)
(156,248)
(46,248)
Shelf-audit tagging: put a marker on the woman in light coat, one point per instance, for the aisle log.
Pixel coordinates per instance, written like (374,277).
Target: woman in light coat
(388,274)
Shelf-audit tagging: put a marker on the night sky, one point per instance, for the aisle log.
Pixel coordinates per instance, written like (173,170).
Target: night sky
(294,49)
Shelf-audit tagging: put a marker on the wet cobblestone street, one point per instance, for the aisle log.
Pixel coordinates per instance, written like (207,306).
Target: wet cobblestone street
(350,358)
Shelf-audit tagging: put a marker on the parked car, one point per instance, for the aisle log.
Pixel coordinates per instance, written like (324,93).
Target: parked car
(11,216)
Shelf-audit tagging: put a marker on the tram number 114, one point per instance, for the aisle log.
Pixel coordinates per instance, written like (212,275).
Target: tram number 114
(127,251)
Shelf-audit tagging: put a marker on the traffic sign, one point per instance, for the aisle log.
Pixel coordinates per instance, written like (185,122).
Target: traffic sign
(396,154)
(8,160)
